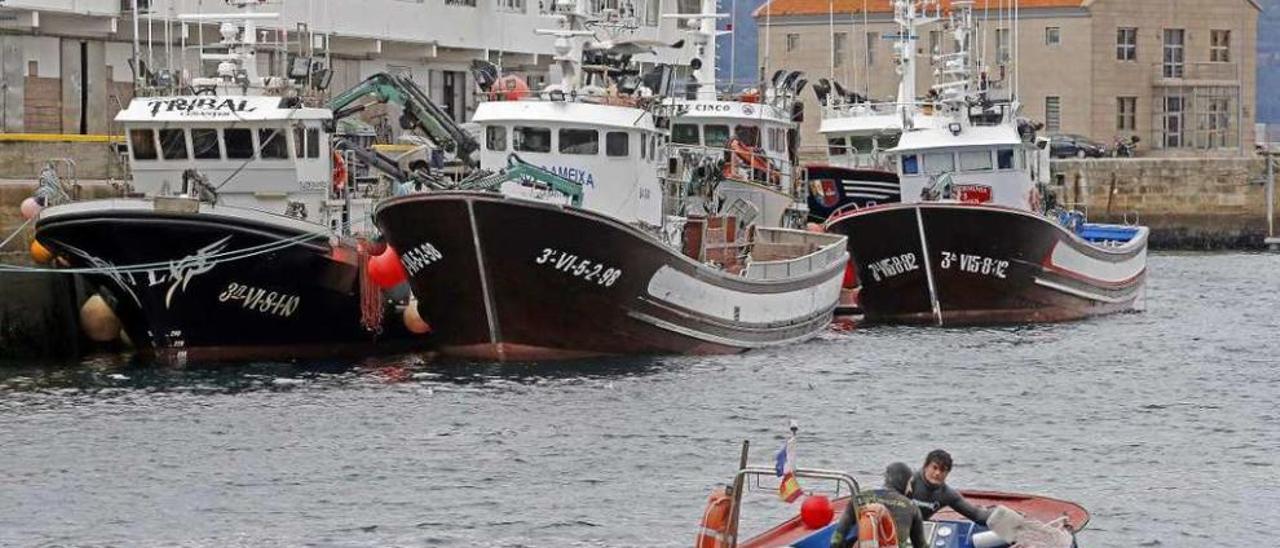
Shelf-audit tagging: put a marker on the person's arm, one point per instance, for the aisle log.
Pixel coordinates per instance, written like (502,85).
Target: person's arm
(958,503)
(843,525)
(917,531)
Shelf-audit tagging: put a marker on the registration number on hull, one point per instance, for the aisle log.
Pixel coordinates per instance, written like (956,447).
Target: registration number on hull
(893,266)
(579,267)
(974,264)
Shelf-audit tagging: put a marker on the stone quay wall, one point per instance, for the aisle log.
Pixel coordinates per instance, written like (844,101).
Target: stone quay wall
(1189,203)
(94,159)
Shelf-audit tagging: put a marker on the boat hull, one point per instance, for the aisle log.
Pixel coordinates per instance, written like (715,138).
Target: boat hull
(960,264)
(291,291)
(834,189)
(509,279)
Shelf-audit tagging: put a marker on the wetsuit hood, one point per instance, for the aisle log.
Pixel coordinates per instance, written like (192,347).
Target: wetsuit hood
(896,477)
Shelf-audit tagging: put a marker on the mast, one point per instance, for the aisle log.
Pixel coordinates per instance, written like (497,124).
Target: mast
(907,14)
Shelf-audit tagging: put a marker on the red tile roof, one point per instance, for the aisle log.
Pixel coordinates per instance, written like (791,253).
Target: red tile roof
(821,7)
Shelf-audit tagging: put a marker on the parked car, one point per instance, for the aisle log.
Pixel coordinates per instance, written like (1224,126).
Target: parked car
(1075,146)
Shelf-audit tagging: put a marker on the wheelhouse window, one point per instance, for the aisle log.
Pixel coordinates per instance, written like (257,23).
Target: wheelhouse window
(888,140)
(1004,158)
(835,146)
(860,144)
(939,162)
(748,135)
(274,144)
(910,164)
(495,138)
(239,143)
(685,134)
(173,144)
(306,142)
(531,139)
(143,143)
(579,141)
(204,144)
(617,143)
(716,135)
(975,160)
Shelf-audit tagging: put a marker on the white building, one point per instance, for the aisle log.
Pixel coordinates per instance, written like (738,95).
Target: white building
(65,65)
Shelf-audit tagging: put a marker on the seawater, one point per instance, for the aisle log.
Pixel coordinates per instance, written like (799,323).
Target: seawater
(1165,424)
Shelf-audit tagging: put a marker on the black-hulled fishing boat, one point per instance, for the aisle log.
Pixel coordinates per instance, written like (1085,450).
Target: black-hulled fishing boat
(581,248)
(977,238)
(247,232)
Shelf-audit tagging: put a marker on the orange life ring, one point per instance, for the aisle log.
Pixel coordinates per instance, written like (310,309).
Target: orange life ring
(714,531)
(875,527)
(339,171)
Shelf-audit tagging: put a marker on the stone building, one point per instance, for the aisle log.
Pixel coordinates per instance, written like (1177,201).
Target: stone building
(1179,74)
(65,64)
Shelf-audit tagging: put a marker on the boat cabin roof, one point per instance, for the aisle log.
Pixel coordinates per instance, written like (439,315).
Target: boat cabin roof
(735,111)
(564,113)
(969,136)
(210,109)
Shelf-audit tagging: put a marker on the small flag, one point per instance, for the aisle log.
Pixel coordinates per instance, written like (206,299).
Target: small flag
(785,466)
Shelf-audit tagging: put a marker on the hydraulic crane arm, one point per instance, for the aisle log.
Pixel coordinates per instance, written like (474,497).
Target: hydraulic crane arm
(419,112)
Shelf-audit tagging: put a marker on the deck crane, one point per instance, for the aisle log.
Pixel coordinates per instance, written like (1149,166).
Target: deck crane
(419,112)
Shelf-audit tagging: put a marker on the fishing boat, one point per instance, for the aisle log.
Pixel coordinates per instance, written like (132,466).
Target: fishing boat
(1016,518)
(247,228)
(859,131)
(978,237)
(585,242)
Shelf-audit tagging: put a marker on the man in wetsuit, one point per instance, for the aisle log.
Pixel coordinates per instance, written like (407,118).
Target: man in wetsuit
(906,517)
(930,492)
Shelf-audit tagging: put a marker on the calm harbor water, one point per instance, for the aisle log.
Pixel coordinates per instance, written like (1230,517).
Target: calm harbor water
(1164,424)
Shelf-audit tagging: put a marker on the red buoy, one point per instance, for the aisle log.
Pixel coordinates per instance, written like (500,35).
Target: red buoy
(385,269)
(816,511)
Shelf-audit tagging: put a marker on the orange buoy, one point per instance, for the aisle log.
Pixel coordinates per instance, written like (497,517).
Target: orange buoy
(39,253)
(385,269)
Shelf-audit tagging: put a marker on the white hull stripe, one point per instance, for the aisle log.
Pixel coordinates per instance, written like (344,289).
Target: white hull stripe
(724,341)
(684,291)
(1082,294)
(1067,259)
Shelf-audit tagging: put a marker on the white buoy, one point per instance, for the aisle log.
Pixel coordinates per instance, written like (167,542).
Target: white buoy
(413,320)
(98,321)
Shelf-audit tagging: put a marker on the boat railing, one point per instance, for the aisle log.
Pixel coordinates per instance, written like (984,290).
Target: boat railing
(751,164)
(780,254)
(854,110)
(754,475)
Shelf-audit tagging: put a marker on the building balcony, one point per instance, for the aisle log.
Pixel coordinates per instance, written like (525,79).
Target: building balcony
(1196,74)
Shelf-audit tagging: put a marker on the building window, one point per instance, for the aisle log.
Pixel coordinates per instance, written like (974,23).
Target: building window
(1126,113)
(935,43)
(1172,126)
(1052,36)
(872,39)
(1220,46)
(839,45)
(1126,44)
(470,3)
(511,5)
(793,42)
(1003,53)
(1174,42)
(652,10)
(1053,114)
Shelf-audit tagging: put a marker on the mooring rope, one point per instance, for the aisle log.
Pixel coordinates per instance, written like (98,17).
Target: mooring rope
(15,233)
(213,259)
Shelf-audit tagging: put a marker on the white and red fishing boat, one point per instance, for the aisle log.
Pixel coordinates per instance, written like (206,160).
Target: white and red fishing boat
(977,238)
(583,246)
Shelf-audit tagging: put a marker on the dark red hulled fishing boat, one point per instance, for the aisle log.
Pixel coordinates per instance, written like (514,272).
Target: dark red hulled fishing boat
(506,278)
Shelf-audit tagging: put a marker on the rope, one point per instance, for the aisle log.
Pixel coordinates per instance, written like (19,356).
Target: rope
(15,233)
(214,259)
